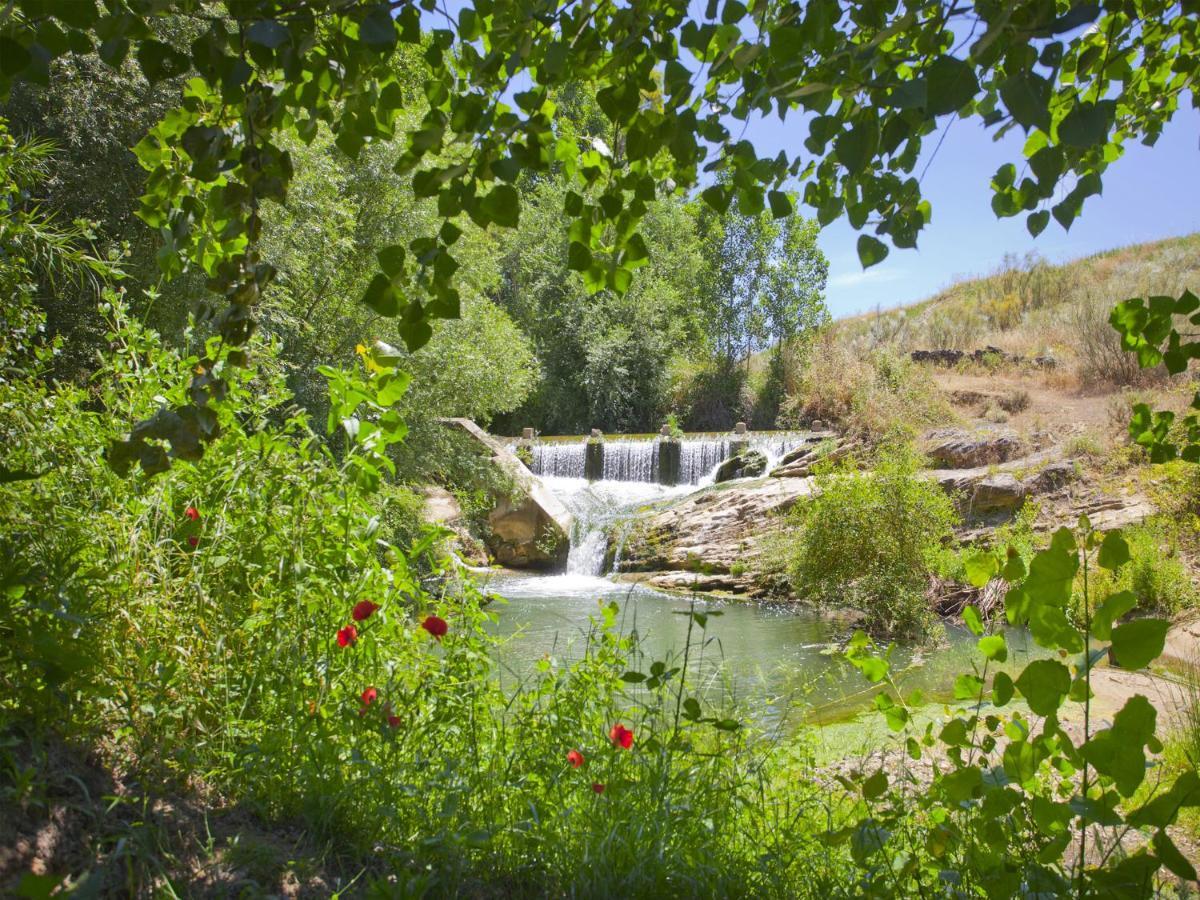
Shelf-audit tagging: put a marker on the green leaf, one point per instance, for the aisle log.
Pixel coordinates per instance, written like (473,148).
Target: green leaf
(951,85)
(871,250)
(875,786)
(1138,643)
(781,204)
(378,30)
(1002,688)
(1086,125)
(993,647)
(1169,855)
(268,33)
(391,260)
(1037,222)
(1043,684)
(381,297)
(971,619)
(579,257)
(1114,552)
(718,198)
(502,205)
(981,567)
(1027,97)
(393,388)
(1109,613)
(967,687)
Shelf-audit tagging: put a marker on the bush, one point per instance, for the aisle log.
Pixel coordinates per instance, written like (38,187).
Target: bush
(872,541)
(1155,573)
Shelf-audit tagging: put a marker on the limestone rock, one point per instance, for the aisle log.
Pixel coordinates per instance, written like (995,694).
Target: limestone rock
(1054,477)
(710,533)
(960,449)
(997,493)
(750,464)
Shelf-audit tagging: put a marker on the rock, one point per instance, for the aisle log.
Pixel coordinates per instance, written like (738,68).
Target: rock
(959,449)
(710,533)
(441,506)
(750,464)
(939,357)
(997,493)
(1054,477)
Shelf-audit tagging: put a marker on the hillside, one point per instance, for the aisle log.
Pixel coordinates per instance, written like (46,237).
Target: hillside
(1030,307)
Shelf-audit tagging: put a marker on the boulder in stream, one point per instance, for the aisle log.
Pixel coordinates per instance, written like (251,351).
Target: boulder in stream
(749,464)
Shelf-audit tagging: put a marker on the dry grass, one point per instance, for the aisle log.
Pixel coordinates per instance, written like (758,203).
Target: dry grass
(1029,307)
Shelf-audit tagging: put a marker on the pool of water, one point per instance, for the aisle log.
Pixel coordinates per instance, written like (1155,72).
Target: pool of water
(779,663)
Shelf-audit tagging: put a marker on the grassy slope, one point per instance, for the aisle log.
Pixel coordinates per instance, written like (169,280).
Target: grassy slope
(1030,306)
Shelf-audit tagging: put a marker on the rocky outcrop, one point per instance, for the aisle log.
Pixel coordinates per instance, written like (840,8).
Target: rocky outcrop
(528,527)
(997,493)
(820,447)
(749,464)
(957,448)
(983,354)
(703,541)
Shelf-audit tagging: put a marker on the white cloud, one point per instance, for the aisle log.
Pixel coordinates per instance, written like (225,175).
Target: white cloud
(870,276)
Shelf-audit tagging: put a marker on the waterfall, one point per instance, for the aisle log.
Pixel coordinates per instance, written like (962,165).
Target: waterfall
(637,459)
(598,508)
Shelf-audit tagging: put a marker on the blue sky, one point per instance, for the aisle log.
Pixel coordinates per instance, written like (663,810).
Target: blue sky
(1149,193)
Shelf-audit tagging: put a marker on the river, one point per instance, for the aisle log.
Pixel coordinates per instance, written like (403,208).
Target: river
(780,661)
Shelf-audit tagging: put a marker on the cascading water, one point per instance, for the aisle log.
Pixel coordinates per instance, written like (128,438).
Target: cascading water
(596,508)
(605,508)
(637,459)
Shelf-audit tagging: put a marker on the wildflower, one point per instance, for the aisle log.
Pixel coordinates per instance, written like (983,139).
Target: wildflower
(192,513)
(363,610)
(575,758)
(369,695)
(393,721)
(347,636)
(621,736)
(435,625)
(193,541)
(598,787)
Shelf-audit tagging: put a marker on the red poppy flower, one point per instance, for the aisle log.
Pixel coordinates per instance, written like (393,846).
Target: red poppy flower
(598,788)
(575,758)
(435,625)
(621,736)
(193,541)
(363,610)
(192,513)
(347,636)
(393,721)
(369,695)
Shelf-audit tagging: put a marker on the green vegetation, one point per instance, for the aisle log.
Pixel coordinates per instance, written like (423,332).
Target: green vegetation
(215,590)
(872,541)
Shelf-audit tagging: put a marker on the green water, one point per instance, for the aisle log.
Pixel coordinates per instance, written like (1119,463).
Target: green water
(776,663)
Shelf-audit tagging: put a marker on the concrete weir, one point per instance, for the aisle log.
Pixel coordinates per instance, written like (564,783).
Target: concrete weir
(530,530)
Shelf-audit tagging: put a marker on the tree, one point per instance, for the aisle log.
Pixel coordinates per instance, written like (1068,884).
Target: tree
(874,79)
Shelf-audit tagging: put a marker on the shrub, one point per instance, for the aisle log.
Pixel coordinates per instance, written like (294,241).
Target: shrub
(872,540)
(1015,400)
(1155,573)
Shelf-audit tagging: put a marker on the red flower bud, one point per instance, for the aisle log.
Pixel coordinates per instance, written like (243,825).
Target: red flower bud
(598,788)
(193,541)
(192,513)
